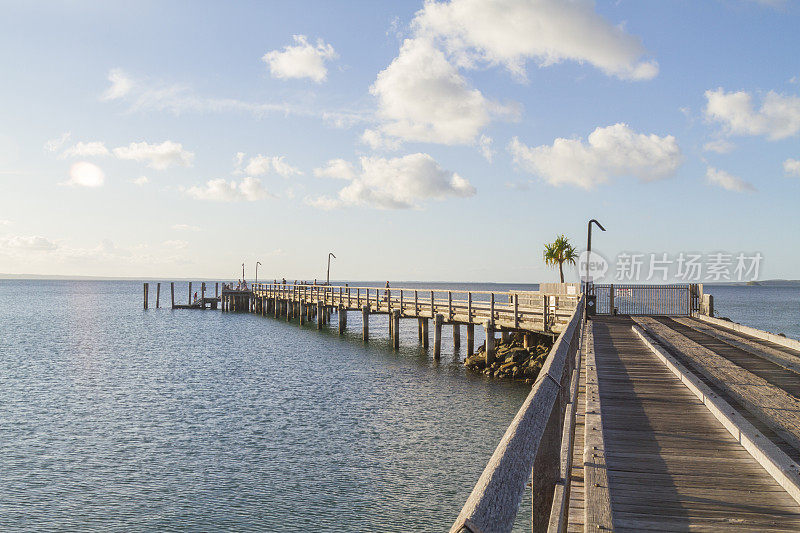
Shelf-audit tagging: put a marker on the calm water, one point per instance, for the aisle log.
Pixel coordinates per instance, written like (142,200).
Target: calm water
(116,418)
(774,309)
(112,418)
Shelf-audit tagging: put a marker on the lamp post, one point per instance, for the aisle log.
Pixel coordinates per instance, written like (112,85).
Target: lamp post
(257,263)
(589,247)
(328,276)
(242,271)
(588,260)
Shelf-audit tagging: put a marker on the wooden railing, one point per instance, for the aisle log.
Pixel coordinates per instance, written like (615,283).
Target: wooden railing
(531,448)
(542,312)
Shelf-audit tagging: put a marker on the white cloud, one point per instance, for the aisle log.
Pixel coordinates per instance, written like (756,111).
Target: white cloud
(175,244)
(720,146)
(396,183)
(141,180)
(53,145)
(303,60)
(20,243)
(157,156)
(261,165)
(611,151)
(336,169)
(82,149)
(121,85)
(185,227)
(147,95)
(510,32)
(777,118)
(422,97)
(377,141)
(485,145)
(85,174)
(218,190)
(792,167)
(727,181)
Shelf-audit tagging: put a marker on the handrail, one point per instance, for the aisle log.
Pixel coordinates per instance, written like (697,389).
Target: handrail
(532,438)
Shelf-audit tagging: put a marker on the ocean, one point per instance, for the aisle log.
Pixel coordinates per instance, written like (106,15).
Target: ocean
(115,418)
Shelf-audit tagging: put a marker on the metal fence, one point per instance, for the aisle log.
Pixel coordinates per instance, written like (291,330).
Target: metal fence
(646,299)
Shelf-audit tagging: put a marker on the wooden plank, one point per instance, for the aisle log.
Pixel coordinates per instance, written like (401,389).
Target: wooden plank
(597,511)
(771,404)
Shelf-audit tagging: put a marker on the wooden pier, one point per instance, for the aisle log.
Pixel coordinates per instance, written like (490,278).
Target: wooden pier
(648,415)
(676,423)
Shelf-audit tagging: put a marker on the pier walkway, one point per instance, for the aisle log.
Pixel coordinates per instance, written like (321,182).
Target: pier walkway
(679,422)
(671,465)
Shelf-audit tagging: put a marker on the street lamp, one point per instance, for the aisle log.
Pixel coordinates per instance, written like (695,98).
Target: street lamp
(589,247)
(328,276)
(257,263)
(242,271)
(593,304)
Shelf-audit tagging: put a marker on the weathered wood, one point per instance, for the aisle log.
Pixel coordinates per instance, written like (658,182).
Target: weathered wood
(172,293)
(396,328)
(488,328)
(365,322)
(470,339)
(158,295)
(320,314)
(190,294)
(425,333)
(342,320)
(774,460)
(597,513)
(772,405)
(437,336)
(494,501)
(146,286)
(786,342)
(456,336)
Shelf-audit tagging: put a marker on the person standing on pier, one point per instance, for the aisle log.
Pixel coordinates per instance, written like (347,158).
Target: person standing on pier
(386,293)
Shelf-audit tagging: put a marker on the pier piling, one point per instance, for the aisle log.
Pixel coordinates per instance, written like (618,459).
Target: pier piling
(488,327)
(470,339)
(172,293)
(437,336)
(158,295)
(145,295)
(396,328)
(456,336)
(365,322)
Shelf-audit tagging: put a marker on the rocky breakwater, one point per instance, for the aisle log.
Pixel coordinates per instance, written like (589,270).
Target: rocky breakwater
(512,359)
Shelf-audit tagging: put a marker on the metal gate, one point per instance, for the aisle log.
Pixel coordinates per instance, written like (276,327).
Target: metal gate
(646,299)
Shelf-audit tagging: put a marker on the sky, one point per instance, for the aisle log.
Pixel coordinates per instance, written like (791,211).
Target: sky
(437,141)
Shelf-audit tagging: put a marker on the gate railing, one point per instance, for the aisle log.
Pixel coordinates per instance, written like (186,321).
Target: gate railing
(674,300)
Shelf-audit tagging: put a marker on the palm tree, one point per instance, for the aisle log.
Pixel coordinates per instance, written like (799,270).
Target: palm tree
(559,252)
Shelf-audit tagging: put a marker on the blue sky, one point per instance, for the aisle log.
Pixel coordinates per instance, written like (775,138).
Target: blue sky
(418,141)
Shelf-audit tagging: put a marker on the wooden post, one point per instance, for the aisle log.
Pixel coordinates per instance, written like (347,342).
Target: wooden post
(158,294)
(425,335)
(449,306)
(203,295)
(456,336)
(416,305)
(172,292)
(505,335)
(365,322)
(610,300)
(469,307)
(545,311)
(342,319)
(516,310)
(419,328)
(190,293)
(320,314)
(216,290)
(491,309)
(488,327)
(303,312)
(470,339)
(433,312)
(437,336)
(145,295)
(396,328)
